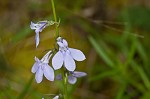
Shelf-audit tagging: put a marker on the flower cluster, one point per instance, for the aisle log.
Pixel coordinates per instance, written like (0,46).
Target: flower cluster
(72,78)
(65,57)
(41,67)
(38,27)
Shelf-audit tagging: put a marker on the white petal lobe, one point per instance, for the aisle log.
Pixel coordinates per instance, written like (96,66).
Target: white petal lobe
(57,60)
(35,67)
(79,74)
(59,77)
(37,39)
(65,42)
(39,75)
(77,54)
(36,59)
(48,72)
(72,80)
(69,62)
(32,25)
(46,57)
(60,44)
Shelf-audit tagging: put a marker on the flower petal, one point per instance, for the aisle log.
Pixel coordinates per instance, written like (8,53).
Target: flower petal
(59,77)
(35,67)
(32,25)
(42,26)
(72,80)
(39,75)
(46,57)
(59,39)
(79,74)
(77,54)
(57,60)
(48,72)
(43,22)
(65,42)
(60,44)
(69,62)
(37,38)
(36,59)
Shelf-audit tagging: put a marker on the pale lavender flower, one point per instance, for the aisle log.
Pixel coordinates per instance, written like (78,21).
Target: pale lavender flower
(41,67)
(38,27)
(72,78)
(66,55)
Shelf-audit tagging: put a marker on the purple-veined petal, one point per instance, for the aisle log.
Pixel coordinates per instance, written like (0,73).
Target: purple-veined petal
(48,72)
(38,26)
(42,26)
(35,67)
(57,60)
(59,39)
(59,77)
(77,54)
(69,62)
(60,44)
(78,74)
(33,25)
(65,42)
(37,38)
(36,59)
(46,57)
(72,80)
(39,75)
(43,22)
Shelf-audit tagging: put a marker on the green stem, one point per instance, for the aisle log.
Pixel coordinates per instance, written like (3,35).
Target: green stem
(65,76)
(55,18)
(65,79)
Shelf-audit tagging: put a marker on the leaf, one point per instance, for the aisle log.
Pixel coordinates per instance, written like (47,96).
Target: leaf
(101,52)
(26,89)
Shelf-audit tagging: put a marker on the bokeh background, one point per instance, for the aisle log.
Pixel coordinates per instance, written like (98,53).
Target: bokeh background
(113,34)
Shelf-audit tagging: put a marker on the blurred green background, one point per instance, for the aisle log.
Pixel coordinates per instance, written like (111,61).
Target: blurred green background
(109,32)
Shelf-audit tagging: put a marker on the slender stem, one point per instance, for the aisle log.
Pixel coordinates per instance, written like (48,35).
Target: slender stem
(65,76)
(65,79)
(55,18)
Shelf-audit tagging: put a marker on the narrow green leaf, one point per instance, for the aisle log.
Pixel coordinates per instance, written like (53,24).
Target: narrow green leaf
(121,91)
(101,51)
(146,95)
(21,34)
(26,89)
(103,75)
(144,77)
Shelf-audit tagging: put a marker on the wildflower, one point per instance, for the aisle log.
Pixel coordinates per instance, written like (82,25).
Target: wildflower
(41,67)
(66,55)
(72,78)
(38,27)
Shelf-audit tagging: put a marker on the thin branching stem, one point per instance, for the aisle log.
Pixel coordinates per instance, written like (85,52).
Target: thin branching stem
(65,79)
(65,76)
(55,19)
